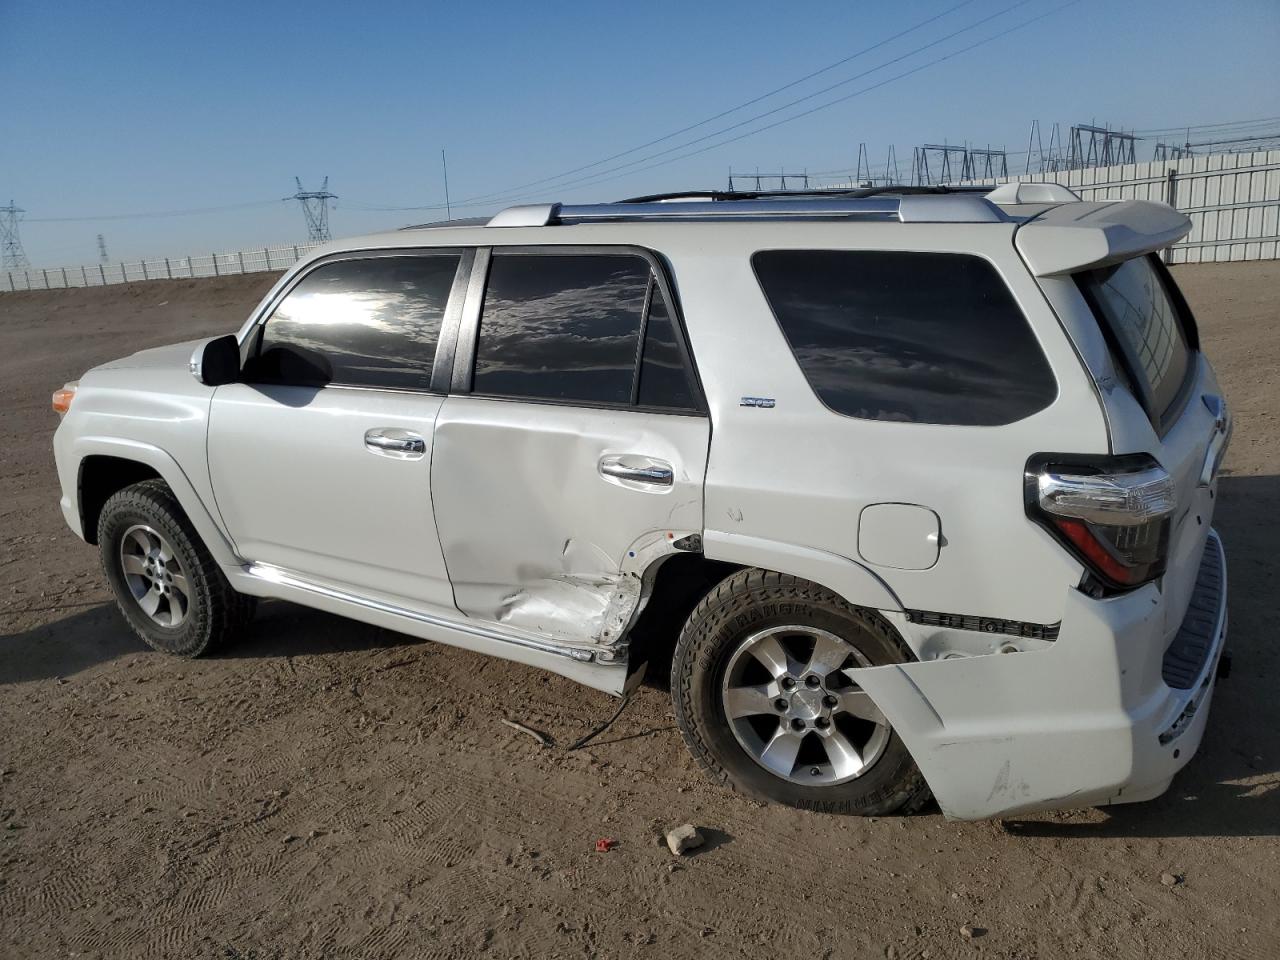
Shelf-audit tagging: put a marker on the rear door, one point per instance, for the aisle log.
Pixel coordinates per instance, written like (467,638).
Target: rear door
(571,451)
(320,459)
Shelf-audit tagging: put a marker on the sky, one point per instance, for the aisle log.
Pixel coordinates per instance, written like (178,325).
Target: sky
(120,116)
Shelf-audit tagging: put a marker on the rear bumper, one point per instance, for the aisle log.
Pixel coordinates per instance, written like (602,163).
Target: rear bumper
(1108,714)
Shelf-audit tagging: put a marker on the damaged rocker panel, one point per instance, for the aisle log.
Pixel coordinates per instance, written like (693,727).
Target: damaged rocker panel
(285,578)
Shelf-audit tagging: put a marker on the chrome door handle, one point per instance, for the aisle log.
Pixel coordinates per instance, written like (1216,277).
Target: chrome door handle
(393,442)
(633,468)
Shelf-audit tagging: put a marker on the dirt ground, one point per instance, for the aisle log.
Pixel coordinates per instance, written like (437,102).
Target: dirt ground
(326,789)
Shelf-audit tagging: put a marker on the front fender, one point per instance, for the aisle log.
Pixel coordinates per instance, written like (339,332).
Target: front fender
(72,457)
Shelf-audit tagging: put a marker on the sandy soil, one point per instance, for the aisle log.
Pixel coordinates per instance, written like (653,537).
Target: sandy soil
(325,789)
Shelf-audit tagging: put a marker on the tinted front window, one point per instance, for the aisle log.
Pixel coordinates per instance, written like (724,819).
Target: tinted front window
(916,337)
(1131,299)
(561,327)
(371,323)
(664,379)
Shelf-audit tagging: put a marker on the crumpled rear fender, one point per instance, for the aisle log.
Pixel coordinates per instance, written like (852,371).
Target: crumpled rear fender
(1015,732)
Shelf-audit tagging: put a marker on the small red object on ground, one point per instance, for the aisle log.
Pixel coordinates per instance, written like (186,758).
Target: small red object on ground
(605,844)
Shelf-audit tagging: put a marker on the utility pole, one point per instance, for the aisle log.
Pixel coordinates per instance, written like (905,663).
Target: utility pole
(315,210)
(12,256)
(102,250)
(444,164)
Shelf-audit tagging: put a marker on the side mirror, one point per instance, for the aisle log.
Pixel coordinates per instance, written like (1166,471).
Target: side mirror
(217,361)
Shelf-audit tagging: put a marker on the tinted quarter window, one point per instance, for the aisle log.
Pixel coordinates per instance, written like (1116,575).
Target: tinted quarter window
(371,323)
(664,378)
(916,337)
(1131,300)
(561,327)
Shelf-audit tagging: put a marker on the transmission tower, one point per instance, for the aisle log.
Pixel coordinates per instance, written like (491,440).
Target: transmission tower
(102,249)
(934,163)
(315,209)
(1092,146)
(758,180)
(862,176)
(12,256)
(1172,151)
(987,164)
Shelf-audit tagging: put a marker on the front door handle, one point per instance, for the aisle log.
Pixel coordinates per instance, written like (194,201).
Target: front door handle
(394,442)
(628,469)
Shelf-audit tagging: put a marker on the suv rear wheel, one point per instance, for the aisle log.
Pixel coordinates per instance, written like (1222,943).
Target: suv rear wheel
(765,705)
(165,582)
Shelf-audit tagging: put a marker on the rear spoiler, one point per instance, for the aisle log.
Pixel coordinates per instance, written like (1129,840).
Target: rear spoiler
(1079,235)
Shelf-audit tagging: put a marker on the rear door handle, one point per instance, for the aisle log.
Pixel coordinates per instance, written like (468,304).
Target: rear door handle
(627,469)
(396,443)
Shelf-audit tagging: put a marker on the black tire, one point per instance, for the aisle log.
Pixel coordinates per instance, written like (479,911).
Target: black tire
(214,609)
(753,600)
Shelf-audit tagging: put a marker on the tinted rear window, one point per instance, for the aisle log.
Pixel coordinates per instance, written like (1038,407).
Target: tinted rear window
(1130,298)
(914,337)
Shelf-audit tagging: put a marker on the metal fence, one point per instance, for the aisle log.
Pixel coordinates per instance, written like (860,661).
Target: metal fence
(160,268)
(1233,200)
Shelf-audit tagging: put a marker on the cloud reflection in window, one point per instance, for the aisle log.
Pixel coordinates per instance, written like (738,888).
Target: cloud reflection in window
(913,337)
(561,327)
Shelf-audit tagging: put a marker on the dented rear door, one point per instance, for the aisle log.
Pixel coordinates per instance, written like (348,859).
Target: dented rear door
(571,454)
(536,534)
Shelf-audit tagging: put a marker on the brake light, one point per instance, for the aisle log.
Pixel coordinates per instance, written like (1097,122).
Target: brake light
(1113,513)
(62,398)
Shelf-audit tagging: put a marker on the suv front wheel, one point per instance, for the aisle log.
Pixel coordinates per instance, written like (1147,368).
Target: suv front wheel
(765,705)
(165,582)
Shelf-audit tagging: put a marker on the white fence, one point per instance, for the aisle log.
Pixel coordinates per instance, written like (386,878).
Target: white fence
(1233,200)
(159,268)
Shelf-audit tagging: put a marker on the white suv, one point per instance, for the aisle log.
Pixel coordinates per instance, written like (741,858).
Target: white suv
(916,483)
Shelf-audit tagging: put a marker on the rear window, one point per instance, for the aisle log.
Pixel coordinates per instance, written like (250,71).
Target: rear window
(1141,316)
(913,337)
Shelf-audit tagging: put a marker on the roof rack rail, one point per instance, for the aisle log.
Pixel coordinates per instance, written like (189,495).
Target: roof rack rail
(852,192)
(902,206)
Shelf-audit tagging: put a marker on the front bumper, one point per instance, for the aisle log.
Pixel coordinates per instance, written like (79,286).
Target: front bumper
(1108,714)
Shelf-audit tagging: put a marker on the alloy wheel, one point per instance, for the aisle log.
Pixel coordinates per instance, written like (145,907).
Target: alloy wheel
(794,710)
(155,576)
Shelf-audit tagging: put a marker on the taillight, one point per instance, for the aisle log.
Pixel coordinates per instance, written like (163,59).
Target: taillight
(62,398)
(1113,513)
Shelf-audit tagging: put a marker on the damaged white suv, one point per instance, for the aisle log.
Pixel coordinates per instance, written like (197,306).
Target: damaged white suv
(911,489)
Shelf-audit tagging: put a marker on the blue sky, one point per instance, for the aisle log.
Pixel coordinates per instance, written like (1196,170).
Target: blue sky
(139,107)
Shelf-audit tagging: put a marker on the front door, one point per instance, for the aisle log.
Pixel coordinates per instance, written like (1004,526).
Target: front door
(572,452)
(320,460)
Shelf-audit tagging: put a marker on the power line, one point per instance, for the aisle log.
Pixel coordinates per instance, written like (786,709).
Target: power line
(1153,131)
(741,106)
(155,214)
(831,103)
(495,197)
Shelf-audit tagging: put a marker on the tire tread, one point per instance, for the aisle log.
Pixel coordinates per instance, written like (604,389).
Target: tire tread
(739,592)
